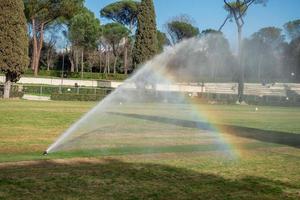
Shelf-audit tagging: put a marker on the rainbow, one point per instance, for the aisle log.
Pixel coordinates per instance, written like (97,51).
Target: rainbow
(203,114)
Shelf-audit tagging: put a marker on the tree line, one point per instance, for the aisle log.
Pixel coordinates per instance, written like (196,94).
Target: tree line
(89,45)
(51,32)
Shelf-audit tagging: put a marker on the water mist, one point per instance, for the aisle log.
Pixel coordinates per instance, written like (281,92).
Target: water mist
(152,112)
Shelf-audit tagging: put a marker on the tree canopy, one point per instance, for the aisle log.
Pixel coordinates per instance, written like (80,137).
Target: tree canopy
(114,33)
(125,12)
(84,29)
(210,31)
(293,29)
(179,30)
(237,10)
(47,11)
(162,40)
(269,35)
(41,14)
(14,41)
(146,35)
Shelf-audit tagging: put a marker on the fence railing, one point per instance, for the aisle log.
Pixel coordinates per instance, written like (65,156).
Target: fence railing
(96,93)
(43,90)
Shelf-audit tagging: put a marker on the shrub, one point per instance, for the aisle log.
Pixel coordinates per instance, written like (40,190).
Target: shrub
(77,75)
(14,93)
(76,97)
(48,90)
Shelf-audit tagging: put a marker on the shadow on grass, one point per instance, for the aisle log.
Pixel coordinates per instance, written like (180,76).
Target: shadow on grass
(112,179)
(276,137)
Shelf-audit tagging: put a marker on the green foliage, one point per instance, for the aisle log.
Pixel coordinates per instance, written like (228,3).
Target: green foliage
(162,40)
(124,12)
(293,29)
(76,97)
(13,39)
(146,35)
(40,90)
(84,29)
(98,76)
(48,11)
(113,34)
(269,35)
(43,73)
(49,90)
(14,92)
(218,46)
(238,8)
(77,75)
(180,30)
(250,99)
(236,11)
(292,56)
(210,31)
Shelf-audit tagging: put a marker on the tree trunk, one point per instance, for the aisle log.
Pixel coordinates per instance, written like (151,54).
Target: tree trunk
(100,60)
(72,64)
(105,66)
(115,64)
(108,63)
(241,68)
(125,57)
(81,64)
(7,86)
(71,59)
(34,50)
(49,57)
(49,60)
(259,68)
(39,46)
(76,61)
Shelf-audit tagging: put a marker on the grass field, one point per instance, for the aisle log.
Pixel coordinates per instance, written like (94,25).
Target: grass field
(267,167)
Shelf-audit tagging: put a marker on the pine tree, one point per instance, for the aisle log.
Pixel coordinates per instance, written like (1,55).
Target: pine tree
(13,42)
(146,35)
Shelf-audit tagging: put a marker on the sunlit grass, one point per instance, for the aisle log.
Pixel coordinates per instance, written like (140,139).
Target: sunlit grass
(151,167)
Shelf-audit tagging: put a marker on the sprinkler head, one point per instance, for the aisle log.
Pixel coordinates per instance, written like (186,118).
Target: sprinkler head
(45,153)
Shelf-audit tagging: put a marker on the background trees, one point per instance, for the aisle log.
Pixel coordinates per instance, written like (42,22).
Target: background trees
(84,33)
(237,10)
(146,35)
(113,34)
(124,12)
(13,43)
(162,40)
(262,53)
(293,29)
(181,27)
(268,55)
(41,14)
(219,54)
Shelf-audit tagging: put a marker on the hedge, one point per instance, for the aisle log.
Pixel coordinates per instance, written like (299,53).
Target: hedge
(251,99)
(48,90)
(76,97)
(77,75)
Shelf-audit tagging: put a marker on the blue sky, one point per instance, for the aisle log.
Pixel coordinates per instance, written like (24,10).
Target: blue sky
(210,14)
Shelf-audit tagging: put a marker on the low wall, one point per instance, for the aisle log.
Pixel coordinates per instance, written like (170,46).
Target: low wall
(256,89)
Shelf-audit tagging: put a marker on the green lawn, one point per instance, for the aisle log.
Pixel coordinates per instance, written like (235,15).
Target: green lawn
(149,157)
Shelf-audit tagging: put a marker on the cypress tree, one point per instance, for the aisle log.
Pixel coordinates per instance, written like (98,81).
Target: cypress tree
(13,42)
(146,37)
